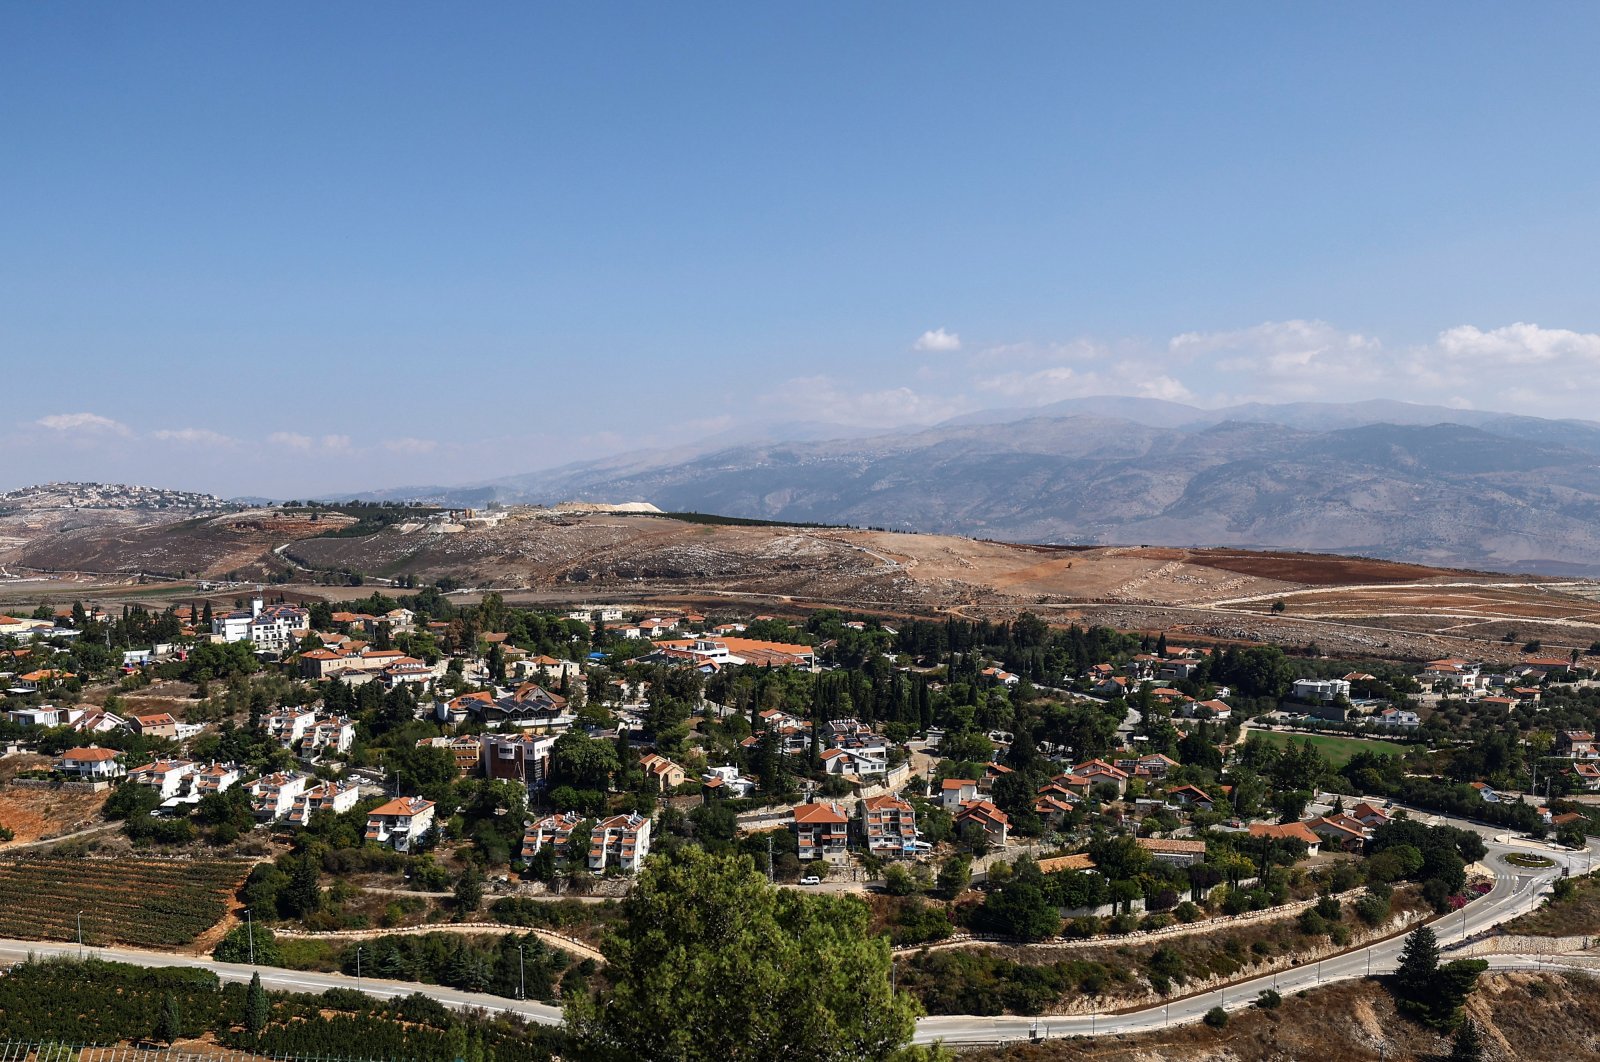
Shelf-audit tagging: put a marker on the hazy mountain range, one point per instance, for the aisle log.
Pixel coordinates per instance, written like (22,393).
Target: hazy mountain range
(1383,478)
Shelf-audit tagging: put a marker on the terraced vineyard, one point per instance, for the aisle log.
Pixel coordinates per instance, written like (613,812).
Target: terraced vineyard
(153,904)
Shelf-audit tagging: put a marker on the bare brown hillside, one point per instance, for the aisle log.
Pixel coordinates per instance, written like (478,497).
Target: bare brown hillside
(1525,1017)
(1343,604)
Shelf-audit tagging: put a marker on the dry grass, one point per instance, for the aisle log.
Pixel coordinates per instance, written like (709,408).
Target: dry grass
(1525,1017)
(38,814)
(1577,916)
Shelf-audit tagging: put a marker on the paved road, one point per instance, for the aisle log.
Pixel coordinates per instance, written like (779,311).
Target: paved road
(1516,890)
(288,980)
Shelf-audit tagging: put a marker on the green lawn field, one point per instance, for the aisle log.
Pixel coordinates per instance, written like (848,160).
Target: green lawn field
(1338,751)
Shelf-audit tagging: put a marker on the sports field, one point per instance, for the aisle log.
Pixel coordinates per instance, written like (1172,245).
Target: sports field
(1338,751)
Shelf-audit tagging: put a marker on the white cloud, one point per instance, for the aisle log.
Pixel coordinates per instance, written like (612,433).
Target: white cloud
(1519,344)
(938,340)
(410,447)
(290,439)
(336,444)
(193,437)
(84,422)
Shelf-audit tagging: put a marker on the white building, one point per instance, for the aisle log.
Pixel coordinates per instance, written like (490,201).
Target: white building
(289,725)
(1320,691)
(726,781)
(328,737)
(273,796)
(167,777)
(92,764)
(328,796)
(622,841)
(277,628)
(403,823)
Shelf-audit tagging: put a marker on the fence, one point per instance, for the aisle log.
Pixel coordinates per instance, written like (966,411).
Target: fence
(1521,944)
(43,1051)
(58,783)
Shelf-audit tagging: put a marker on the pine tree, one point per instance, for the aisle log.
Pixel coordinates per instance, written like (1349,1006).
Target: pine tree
(1468,1045)
(1414,981)
(255,1005)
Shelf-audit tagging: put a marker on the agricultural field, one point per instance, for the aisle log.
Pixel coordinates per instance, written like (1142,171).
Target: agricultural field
(152,904)
(1338,751)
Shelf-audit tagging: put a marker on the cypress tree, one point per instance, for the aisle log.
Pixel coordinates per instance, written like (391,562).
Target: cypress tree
(168,1026)
(255,1006)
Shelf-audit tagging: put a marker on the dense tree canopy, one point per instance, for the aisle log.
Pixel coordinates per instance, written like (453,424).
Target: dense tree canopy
(713,963)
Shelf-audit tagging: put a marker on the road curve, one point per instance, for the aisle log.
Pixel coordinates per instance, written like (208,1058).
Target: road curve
(1516,890)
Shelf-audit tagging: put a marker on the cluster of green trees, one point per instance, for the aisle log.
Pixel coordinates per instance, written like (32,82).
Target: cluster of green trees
(95,1002)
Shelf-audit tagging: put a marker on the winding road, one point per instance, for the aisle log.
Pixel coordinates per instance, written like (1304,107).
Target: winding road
(1516,890)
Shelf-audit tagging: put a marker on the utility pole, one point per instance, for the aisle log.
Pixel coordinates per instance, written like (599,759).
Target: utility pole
(80,934)
(522,974)
(250,928)
(769,858)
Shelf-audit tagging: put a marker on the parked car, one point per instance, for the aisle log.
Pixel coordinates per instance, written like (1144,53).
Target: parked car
(811,879)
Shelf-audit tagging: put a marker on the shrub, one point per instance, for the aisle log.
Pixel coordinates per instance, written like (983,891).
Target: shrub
(1217,1018)
(1268,999)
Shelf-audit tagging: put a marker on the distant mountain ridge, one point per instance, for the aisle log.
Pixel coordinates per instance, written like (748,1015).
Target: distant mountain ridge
(1387,479)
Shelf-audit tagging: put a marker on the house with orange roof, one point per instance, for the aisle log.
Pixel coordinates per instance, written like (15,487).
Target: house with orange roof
(288,725)
(889,827)
(668,775)
(91,764)
(403,823)
(1189,796)
(1180,852)
(823,832)
(273,796)
(1576,744)
(168,777)
(991,819)
(1098,771)
(1343,832)
(326,796)
(953,792)
(1369,815)
(154,724)
(1288,831)
(622,841)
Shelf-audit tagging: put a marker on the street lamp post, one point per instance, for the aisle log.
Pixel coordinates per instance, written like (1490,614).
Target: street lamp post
(80,934)
(522,976)
(358,968)
(250,929)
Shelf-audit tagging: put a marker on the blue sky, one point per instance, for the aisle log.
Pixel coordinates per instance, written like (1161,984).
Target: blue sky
(299,248)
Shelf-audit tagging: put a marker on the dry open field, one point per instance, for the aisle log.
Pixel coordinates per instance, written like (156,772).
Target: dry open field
(1351,605)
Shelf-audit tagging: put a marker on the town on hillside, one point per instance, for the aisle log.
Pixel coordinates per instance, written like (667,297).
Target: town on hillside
(394,762)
